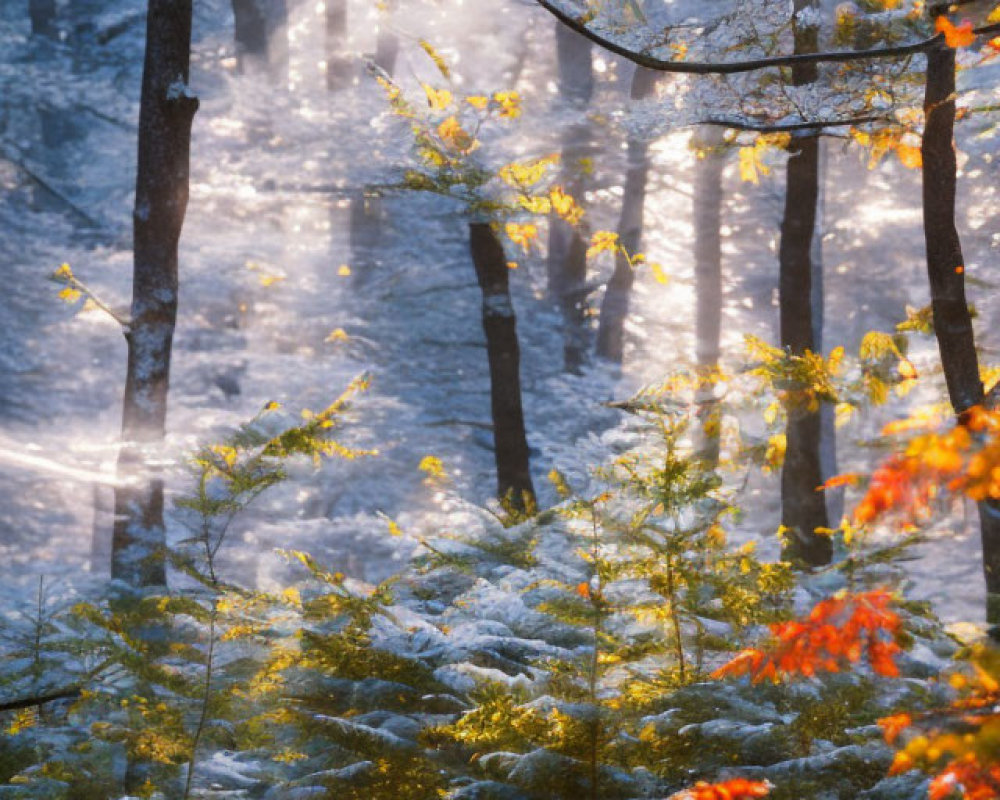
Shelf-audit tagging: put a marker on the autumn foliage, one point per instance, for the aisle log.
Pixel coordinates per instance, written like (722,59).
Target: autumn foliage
(963,459)
(837,632)
(736,789)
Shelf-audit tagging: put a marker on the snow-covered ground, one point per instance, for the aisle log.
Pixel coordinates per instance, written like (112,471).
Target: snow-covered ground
(263,287)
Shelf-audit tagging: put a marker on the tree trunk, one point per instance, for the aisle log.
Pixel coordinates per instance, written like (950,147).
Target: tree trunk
(615,306)
(707,213)
(261,34)
(827,411)
(500,326)
(338,65)
(946,271)
(803,508)
(43,18)
(567,258)
(166,113)
(387,44)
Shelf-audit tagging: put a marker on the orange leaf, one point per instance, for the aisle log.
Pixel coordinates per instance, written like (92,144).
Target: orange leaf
(955,36)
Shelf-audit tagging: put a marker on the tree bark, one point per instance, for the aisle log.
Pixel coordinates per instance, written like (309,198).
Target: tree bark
(260,29)
(803,507)
(567,257)
(946,272)
(166,113)
(514,484)
(617,295)
(43,18)
(707,212)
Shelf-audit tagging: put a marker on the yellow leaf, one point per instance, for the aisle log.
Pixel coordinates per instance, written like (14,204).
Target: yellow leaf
(775,454)
(910,156)
(439,62)
(269,280)
(274,405)
(338,335)
(69,295)
(478,102)
(343,271)
(437,99)
(510,104)
(433,466)
(602,241)
(748,165)
(522,235)
(394,529)
(565,206)
(454,135)
(64,273)
(658,273)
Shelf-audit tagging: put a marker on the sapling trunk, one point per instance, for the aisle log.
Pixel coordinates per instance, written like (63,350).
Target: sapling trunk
(946,272)
(500,326)
(166,112)
(617,295)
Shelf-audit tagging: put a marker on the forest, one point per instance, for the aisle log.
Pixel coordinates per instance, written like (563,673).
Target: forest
(499,399)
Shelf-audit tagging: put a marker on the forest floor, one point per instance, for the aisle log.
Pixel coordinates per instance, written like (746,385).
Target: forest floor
(263,287)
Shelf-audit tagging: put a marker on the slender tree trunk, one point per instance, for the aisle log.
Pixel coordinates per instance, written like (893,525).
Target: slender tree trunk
(827,411)
(338,65)
(43,18)
(803,508)
(946,271)
(387,43)
(366,205)
(166,113)
(500,326)
(707,214)
(617,295)
(261,35)
(567,259)
(366,234)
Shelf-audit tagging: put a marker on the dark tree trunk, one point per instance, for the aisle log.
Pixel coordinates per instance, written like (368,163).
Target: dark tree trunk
(500,326)
(617,295)
(827,411)
(43,18)
(166,113)
(946,271)
(803,507)
(338,65)
(567,258)
(261,33)
(707,214)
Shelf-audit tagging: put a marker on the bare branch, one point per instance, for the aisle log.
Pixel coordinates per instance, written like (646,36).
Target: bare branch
(68,693)
(750,65)
(790,127)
